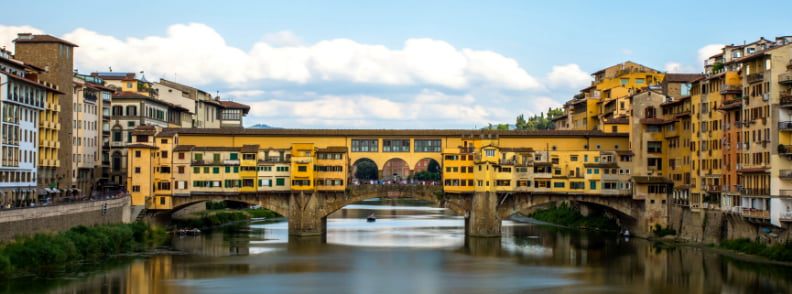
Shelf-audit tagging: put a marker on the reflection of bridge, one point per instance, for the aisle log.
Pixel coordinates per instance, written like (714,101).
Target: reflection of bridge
(483,211)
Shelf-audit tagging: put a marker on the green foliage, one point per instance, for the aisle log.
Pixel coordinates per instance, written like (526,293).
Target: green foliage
(779,252)
(366,170)
(717,67)
(565,215)
(6,269)
(215,205)
(46,253)
(427,176)
(539,122)
(662,232)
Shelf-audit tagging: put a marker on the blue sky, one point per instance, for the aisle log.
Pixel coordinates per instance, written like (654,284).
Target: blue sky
(397,64)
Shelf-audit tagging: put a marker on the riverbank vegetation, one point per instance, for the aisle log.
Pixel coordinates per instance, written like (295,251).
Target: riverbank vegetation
(44,254)
(219,213)
(778,252)
(568,216)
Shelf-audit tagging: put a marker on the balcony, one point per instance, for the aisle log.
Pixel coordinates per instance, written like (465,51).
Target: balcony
(785,78)
(785,217)
(757,77)
(755,192)
(469,149)
(731,89)
(755,213)
(785,126)
(786,100)
(785,194)
(785,174)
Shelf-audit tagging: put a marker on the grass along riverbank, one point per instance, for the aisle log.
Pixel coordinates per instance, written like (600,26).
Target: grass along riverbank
(567,216)
(45,254)
(778,252)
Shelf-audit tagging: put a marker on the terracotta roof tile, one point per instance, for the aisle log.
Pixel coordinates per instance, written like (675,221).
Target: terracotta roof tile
(43,39)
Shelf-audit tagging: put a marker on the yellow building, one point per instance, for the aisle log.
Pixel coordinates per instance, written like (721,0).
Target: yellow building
(608,98)
(185,162)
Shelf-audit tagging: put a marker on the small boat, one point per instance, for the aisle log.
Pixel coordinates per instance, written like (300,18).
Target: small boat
(371,218)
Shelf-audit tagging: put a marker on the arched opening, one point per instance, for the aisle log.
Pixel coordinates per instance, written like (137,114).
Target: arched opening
(364,170)
(427,169)
(396,170)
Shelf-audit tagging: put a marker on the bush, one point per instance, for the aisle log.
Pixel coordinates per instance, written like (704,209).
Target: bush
(46,253)
(661,232)
(565,215)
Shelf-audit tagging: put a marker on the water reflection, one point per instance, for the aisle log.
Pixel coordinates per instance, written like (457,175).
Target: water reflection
(416,249)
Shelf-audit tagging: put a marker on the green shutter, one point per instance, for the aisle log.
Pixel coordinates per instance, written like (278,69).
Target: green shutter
(228,169)
(216,170)
(236,169)
(234,156)
(196,170)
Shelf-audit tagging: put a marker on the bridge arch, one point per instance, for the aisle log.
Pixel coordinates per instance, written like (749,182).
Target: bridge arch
(395,169)
(427,169)
(422,192)
(363,170)
(277,203)
(625,209)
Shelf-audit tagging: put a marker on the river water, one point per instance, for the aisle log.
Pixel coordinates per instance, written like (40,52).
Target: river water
(414,248)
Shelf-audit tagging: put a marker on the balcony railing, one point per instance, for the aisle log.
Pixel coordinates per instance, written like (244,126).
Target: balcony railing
(785,217)
(785,174)
(755,213)
(785,78)
(731,89)
(755,192)
(757,77)
(785,126)
(786,100)
(785,193)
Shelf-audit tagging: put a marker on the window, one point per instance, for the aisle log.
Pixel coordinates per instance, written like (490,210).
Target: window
(165,170)
(164,154)
(164,141)
(234,156)
(215,170)
(181,155)
(432,145)
(302,168)
(559,184)
(198,157)
(625,81)
(577,185)
(180,169)
(196,170)
(490,152)
(654,147)
(592,185)
(573,158)
(135,188)
(249,156)
(280,182)
(137,153)
(365,145)
(130,124)
(639,81)
(137,170)
(395,145)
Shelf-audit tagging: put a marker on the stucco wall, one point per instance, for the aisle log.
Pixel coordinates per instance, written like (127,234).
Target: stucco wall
(62,217)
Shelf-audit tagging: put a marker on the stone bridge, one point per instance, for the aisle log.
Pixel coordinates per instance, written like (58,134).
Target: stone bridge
(483,211)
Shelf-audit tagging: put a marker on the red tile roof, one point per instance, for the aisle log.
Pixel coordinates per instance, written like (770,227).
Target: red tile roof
(43,39)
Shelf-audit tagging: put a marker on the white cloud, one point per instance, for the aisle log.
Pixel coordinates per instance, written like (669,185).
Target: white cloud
(707,51)
(569,76)
(676,67)
(9,33)
(196,53)
(626,52)
(282,38)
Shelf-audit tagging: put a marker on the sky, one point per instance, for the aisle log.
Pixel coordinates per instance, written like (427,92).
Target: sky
(392,64)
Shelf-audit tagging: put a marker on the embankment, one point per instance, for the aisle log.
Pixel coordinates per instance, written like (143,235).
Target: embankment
(59,218)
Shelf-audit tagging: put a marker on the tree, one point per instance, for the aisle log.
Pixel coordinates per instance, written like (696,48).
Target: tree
(539,122)
(366,170)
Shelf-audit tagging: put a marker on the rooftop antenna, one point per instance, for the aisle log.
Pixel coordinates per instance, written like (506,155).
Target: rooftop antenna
(110,68)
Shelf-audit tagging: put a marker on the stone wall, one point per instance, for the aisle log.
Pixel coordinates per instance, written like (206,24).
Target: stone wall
(714,226)
(63,217)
